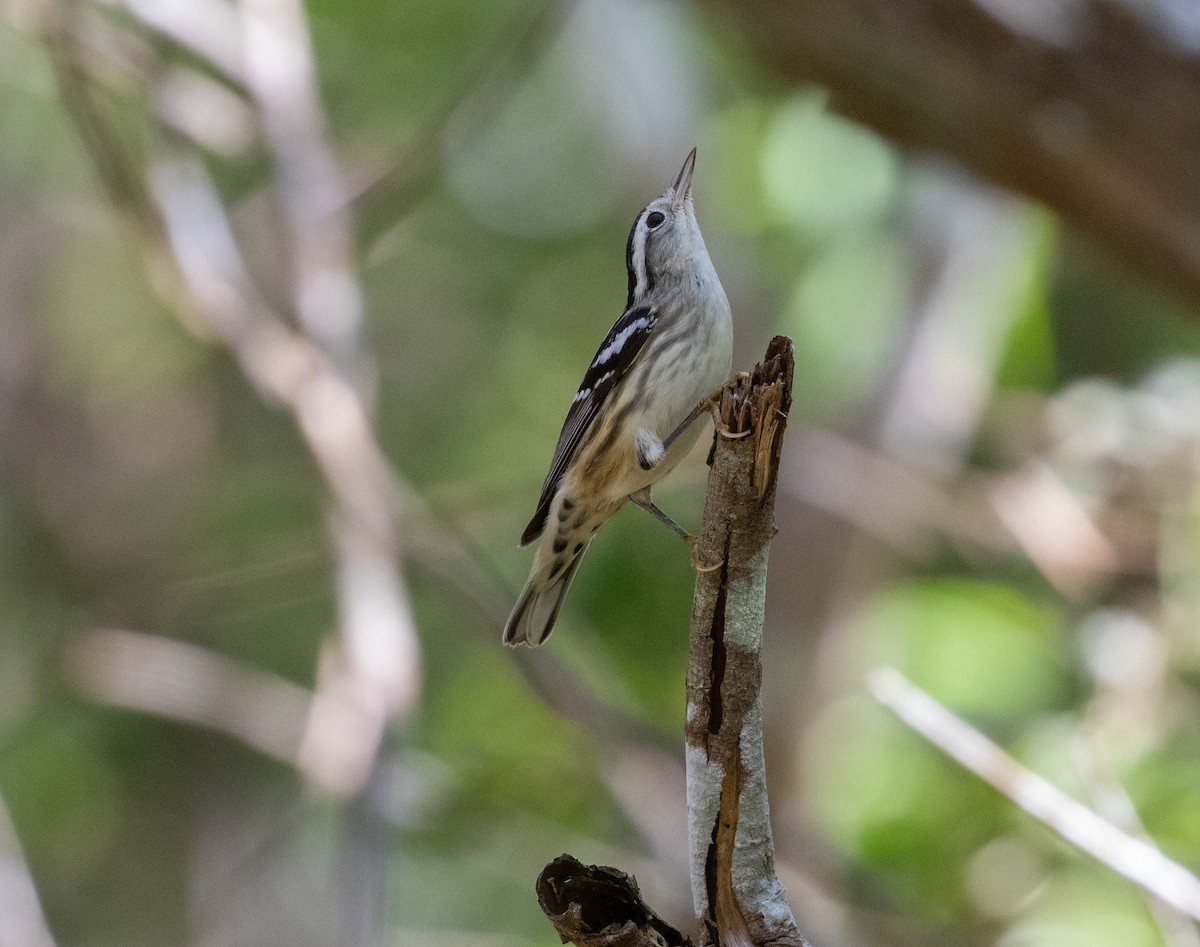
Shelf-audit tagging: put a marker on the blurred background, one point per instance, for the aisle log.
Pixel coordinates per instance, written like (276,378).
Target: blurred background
(292,303)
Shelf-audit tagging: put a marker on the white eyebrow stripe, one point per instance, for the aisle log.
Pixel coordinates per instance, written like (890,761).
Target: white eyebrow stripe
(638,258)
(615,346)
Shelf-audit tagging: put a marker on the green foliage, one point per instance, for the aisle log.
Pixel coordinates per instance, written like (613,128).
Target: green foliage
(63,793)
(982,648)
(144,484)
(1029,360)
(822,173)
(832,302)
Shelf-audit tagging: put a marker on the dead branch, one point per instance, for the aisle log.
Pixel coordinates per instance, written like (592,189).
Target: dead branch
(737,895)
(594,906)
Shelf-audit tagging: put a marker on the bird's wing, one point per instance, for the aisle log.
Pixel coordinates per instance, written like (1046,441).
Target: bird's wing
(614,358)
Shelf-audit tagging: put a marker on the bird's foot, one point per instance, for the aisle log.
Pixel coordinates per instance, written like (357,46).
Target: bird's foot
(694,542)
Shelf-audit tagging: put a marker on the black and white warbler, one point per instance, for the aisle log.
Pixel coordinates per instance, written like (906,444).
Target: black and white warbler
(669,349)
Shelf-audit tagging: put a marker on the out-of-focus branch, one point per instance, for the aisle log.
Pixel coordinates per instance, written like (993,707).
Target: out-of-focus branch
(1027,96)
(282,75)
(1131,670)
(210,30)
(1133,858)
(22,923)
(971,250)
(1029,511)
(191,685)
(1113,803)
(738,899)
(206,28)
(371,676)
(1053,529)
(277,361)
(118,173)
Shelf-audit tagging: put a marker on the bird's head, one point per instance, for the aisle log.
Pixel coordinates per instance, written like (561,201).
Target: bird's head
(665,240)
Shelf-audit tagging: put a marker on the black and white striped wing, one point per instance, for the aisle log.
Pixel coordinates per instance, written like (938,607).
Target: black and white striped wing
(614,358)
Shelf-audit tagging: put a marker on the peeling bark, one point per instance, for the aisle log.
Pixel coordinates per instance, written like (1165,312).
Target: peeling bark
(737,896)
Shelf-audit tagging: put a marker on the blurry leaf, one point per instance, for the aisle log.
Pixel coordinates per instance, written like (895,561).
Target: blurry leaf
(1004,875)
(890,776)
(843,315)
(644,627)
(38,140)
(1089,907)
(821,171)
(486,886)
(1047,746)
(1109,323)
(113,339)
(1029,356)
(891,801)
(642,68)
(539,168)
(980,647)
(415,52)
(738,199)
(1165,789)
(509,751)
(62,797)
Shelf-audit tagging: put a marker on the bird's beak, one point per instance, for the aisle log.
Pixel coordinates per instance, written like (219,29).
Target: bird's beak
(683,184)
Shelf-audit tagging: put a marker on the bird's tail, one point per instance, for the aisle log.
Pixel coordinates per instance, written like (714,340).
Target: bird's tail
(533,616)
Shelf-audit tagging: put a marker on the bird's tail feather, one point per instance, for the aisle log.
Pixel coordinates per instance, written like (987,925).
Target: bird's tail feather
(537,609)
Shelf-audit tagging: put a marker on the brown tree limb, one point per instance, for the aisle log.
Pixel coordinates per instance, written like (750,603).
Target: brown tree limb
(737,896)
(1087,107)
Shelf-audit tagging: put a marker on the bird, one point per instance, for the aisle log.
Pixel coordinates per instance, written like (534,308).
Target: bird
(638,409)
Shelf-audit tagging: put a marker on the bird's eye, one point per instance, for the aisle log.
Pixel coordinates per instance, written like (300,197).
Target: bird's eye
(654,220)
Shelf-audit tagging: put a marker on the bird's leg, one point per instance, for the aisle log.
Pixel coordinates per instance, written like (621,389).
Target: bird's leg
(642,498)
(709,403)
